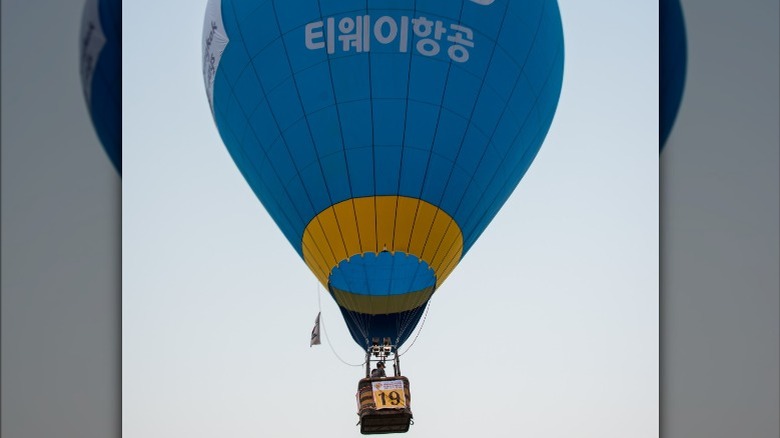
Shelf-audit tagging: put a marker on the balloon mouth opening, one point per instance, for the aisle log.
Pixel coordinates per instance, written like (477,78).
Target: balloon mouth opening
(382,274)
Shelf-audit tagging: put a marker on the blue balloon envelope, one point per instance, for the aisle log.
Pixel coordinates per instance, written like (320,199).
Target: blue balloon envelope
(672,65)
(100,47)
(383,136)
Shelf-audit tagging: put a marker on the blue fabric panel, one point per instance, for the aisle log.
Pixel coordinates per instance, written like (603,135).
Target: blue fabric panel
(503,74)
(382,274)
(505,133)
(672,57)
(487,20)
(284,104)
(429,80)
(280,163)
(448,9)
(301,58)
(326,131)
(396,326)
(335,168)
(360,162)
(389,122)
(258,27)
(315,187)
(292,14)
(436,179)
(462,92)
(389,73)
(336,7)
(251,151)
(488,169)
(314,88)
(356,124)
(243,8)
(449,134)
(390,4)
(388,170)
(412,171)
(106,86)
(538,71)
(421,124)
(300,145)
(247,85)
(456,184)
(474,144)
(264,124)
(490,107)
(350,78)
(301,198)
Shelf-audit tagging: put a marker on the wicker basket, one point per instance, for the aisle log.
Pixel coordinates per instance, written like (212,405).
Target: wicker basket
(385,419)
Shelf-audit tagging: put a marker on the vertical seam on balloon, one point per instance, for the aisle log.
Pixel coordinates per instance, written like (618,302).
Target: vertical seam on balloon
(276,122)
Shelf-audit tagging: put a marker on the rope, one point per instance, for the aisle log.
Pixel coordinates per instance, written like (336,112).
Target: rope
(422,324)
(322,326)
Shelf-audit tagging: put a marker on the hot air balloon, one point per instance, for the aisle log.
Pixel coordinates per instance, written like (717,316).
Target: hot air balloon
(100,49)
(672,64)
(382,136)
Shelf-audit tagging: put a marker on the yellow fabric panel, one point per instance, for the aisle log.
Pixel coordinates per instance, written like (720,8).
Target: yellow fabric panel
(450,262)
(404,222)
(441,224)
(333,236)
(319,267)
(383,304)
(366,219)
(345,218)
(364,225)
(385,220)
(447,253)
(317,252)
(422,226)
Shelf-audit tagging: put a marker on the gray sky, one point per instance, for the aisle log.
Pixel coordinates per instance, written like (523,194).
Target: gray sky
(217,307)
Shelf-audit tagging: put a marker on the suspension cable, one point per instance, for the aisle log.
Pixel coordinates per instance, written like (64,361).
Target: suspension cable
(422,324)
(322,326)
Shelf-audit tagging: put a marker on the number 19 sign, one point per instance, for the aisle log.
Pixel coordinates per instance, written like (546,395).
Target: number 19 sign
(389,394)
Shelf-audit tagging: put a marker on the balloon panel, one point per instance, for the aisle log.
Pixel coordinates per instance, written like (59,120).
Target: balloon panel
(672,64)
(383,136)
(100,47)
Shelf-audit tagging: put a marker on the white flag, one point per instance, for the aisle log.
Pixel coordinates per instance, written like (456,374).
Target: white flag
(315,332)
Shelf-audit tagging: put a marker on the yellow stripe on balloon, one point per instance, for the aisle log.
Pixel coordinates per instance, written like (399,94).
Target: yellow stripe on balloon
(373,224)
(382,304)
